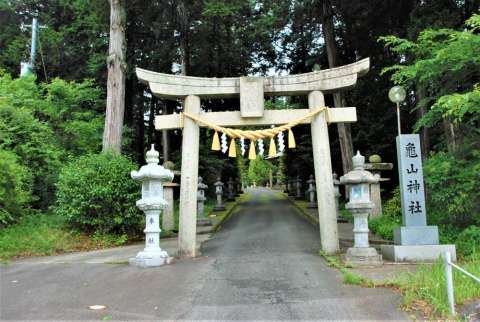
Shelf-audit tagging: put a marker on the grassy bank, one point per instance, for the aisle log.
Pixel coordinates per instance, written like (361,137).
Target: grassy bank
(424,292)
(45,234)
(428,286)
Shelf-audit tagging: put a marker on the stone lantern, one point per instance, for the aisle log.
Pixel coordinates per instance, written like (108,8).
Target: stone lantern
(291,189)
(231,192)
(336,190)
(201,187)
(152,176)
(219,192)
(299,188)
(286,186)
(359,181)
(312,190)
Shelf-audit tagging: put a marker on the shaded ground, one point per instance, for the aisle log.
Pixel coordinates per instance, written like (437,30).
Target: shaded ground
(264,264)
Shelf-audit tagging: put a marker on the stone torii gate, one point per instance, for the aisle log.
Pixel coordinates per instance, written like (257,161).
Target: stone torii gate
(252,91)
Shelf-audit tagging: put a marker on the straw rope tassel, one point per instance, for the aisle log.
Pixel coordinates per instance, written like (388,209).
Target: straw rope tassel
(272,150)
(232,150)
(251,152)
(215,142)
(291,140)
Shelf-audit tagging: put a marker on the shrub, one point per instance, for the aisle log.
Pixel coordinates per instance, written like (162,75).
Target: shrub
(468,241)
(44,123)
(391,217)
(453,197)
(15,188)
(96,193)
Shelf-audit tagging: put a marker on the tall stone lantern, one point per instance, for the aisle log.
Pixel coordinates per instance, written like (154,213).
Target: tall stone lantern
(336,189)
(219,192)
(359,181)
(201,219)
(152,176)
(312,190)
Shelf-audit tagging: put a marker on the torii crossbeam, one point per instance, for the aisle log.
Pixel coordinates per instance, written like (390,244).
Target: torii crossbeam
(251,91)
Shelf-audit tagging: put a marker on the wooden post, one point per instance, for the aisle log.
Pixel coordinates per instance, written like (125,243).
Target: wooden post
(189,180)
(323,176)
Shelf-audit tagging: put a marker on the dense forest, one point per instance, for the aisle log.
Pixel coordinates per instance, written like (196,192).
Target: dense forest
(52,123)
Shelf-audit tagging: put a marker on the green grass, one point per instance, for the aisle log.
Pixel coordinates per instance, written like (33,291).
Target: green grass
(349,277)
(424,290)
(428,284)
(45,234)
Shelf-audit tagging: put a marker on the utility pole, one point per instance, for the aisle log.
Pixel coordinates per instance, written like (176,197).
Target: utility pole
(26,68)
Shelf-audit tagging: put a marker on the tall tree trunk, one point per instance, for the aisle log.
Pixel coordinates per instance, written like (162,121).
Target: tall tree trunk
(450,136)
(151,120)
(112,134)
(165,140)
(424,131)
(183,24)
(344,131)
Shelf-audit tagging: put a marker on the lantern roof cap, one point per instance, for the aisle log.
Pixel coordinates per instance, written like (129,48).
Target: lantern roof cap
(152,170)
(359,174)
(201,185)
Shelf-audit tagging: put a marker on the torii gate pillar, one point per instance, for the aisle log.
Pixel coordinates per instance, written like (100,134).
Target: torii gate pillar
(327,214)
(187,239)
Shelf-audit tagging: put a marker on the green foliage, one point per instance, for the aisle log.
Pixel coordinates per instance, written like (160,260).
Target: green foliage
(391,217)
(468,242)
(428,284)
(445,64)
(96,193)
(43,124)
(259,170)
(15,188)
(74,110)
(453,197)
(32,140)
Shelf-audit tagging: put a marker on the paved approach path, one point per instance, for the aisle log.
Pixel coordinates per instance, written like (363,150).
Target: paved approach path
(263,264)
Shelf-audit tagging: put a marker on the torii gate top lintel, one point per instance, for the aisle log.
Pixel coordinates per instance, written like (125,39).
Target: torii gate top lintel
(327,81)
(252,91)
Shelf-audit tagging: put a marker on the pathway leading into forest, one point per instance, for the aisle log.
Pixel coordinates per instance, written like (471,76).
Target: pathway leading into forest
(263,264)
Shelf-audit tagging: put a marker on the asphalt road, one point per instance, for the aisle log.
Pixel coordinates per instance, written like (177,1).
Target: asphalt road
(262,265)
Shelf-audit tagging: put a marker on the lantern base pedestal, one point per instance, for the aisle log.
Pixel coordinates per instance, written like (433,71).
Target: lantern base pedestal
(363,256)
(150,259)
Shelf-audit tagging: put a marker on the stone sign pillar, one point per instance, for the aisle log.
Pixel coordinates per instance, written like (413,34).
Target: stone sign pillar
(323,176)
(311,192)
(219,192)
(201,200)
(168,222)
(152,176)
(414,240)
(187,232)
(360,205)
